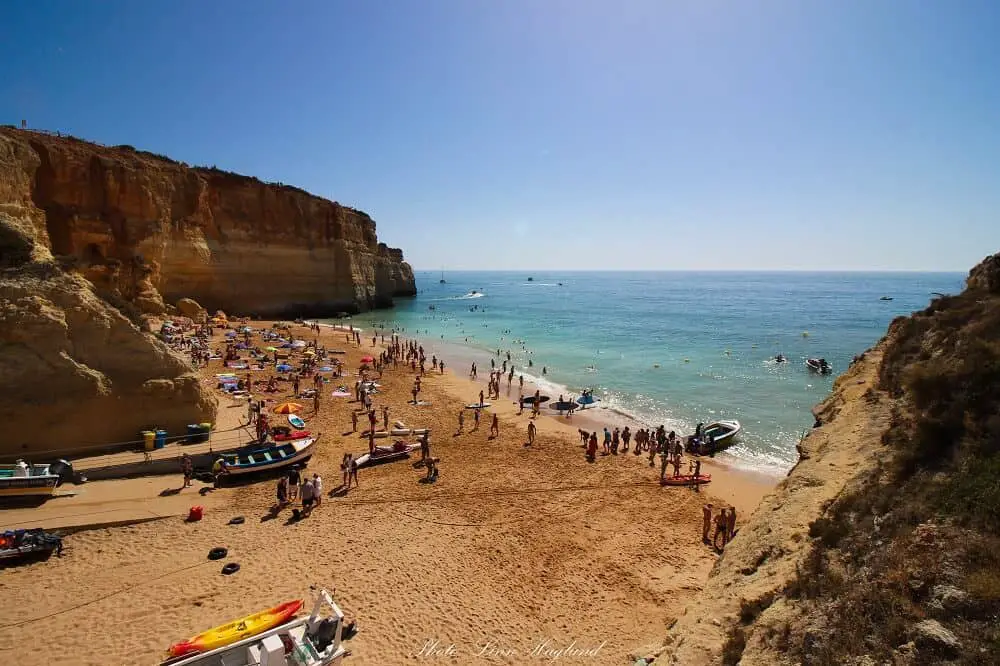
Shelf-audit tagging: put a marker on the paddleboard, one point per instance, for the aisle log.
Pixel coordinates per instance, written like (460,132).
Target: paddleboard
(296,421)
(530,399)
(564,406)
(477,405)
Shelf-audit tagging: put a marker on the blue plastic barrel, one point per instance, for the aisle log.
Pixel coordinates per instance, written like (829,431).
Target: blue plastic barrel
(161,438)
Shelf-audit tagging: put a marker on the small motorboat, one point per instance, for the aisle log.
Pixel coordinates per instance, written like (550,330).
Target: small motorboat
(686,480)
(267,458)
(780,358)
(819,365)
(19,545)
(306,641)
(382,454)
(886,298)
(714,437)
(26,480)
(237,630)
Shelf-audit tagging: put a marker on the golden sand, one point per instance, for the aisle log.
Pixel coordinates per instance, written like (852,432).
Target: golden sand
(513,548)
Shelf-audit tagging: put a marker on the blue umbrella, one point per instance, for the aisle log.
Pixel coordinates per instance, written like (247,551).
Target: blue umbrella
(284,367)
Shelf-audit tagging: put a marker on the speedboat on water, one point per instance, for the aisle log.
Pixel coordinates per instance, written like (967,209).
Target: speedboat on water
(713,437)
(819,365)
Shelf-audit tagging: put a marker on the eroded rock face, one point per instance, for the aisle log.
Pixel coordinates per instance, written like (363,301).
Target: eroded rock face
(151,231)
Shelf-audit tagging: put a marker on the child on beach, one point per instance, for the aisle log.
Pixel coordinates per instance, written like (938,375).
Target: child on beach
(495,426)
(461,420)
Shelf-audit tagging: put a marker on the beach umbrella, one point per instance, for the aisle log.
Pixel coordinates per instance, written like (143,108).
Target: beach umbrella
(367,359)
(284,367)
(288,408)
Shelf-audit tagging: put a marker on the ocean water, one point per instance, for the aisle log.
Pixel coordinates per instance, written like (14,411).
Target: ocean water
(670,348)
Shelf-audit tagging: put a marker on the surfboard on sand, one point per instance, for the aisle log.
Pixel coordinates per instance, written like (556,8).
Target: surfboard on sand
(296,421)
(530,399)
(478,405)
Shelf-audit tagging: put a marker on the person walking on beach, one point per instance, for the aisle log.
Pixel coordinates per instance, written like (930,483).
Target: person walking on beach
(345,471)
(316,402)
(531,433)
(187,467)
(295,385)
(607,441)
(664,459)
(592,447)
(461,421)
(293,483)
(354,420)
(626,436)
(354,474)
(697,473)
(495,426)
(481,401)
(731,524)
(282,492)
(615,439)
(520,405)
(475,417)
(385,417)
(372,420)
(706,522)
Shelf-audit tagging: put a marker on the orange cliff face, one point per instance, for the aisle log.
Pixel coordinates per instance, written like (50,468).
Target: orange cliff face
(153,231)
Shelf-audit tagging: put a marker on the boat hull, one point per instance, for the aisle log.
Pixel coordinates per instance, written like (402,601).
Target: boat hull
(303,450)
(366,459)
(724,434)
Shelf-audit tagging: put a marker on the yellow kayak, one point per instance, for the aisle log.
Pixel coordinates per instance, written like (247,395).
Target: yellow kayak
(237,630)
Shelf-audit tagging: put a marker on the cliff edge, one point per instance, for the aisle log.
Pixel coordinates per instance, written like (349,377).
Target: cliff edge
(882,545)
(75,372)
(151,231)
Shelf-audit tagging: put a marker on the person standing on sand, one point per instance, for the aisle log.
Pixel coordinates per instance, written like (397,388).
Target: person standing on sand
(721,527)
(706,522)
(495,426)
(461,421)
(282,492)
(385,417)
(345,471)
(531,433)
(318,489)
(520,379)
(731,524)
(372,420)
(293,482)
(295,385)
(441,366)
(481,401)
(475,416)
(664,459)
(354,420)
(615,439)
(371,442)
(187,467)
(316,402)
(520,405)
(592,447)
(607,441)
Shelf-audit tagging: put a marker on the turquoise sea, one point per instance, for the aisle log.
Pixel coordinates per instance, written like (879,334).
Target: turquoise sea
(668,347)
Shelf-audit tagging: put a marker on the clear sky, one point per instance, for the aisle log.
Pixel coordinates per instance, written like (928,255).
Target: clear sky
(561,134)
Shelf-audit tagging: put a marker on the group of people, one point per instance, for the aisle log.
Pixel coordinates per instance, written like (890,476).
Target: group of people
(297,486)
(725,526)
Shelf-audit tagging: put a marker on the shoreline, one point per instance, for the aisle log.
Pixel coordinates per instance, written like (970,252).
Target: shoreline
(510,542)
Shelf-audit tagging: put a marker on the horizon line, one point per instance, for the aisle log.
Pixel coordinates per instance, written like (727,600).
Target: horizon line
(689,270)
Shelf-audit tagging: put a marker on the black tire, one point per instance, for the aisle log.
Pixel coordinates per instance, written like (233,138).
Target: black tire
(217,553)
(230,569)
(238,520)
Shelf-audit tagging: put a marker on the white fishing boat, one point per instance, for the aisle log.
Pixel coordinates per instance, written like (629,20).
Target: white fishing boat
(25,480)
(267,458)
(723,435)
(308,641)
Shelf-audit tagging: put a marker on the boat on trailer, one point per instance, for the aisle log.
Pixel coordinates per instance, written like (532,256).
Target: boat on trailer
(386,453)
(309,641)
(25,480)
(266,458)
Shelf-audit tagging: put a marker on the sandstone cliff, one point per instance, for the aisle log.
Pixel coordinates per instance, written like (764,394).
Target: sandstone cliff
(75,373)
(882,545)
(150,231)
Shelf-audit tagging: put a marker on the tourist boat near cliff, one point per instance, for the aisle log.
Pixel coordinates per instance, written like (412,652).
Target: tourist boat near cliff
(309,641)
(819,365)
(24,480)
(723,434)
(269,458)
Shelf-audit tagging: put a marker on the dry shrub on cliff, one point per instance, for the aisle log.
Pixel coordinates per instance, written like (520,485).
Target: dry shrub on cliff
(919,539)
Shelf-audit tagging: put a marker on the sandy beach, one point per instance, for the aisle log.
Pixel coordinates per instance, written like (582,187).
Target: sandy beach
(514,553)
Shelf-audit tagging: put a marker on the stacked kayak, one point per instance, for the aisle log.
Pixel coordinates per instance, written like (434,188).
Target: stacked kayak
(237,630)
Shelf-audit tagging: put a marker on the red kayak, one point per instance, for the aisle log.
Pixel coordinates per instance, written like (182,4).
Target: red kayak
(686,480)
(295,434)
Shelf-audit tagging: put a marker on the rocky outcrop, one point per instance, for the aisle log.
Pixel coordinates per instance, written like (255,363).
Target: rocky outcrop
(882,545)
(148,230)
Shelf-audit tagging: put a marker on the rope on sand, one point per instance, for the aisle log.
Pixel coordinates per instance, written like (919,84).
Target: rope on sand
(106,596)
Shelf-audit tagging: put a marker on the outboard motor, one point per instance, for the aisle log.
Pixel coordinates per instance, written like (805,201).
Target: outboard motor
(324,634)
(63,469)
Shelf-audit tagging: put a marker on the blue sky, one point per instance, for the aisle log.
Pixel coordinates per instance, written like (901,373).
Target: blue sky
(561,134)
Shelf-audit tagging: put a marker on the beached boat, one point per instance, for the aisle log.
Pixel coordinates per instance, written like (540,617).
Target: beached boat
(18,545)
(237,630)
(819,365)
(268,458)
(307,641)
(686,480)
(25,480)
(723,433)
(386,453)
